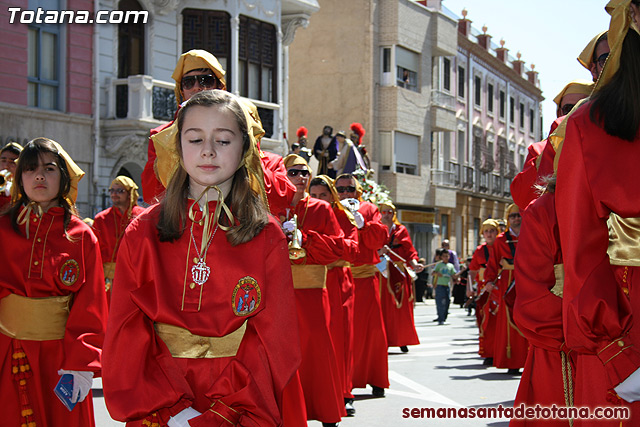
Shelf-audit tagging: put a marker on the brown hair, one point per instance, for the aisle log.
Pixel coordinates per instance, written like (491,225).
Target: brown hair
(616,107)
(247,206)
(28,160)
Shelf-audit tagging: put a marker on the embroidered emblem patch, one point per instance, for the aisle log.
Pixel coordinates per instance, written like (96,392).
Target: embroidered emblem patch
(246,296)
(69,272)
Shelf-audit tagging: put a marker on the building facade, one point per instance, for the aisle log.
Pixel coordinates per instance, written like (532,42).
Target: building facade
(99,88)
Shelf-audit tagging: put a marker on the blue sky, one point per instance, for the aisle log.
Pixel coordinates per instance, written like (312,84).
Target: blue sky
(549,33)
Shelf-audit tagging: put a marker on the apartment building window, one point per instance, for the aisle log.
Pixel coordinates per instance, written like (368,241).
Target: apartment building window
(461,80)
(44,65)
(531,120)
(407,69)
(512,109)
(522,116)
(130,43)
(257,60)
(490,97)
(444,226)
(405,150)
(446,74)
(477,88)
(502,104)
(209,30)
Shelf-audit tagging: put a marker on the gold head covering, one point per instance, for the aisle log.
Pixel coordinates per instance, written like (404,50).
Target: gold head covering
(393,208)
(619,25)
(335,198)
(294,160)
(512,208)
(489,223)
(130,186)
(583,87)
(586,56)
(193,60)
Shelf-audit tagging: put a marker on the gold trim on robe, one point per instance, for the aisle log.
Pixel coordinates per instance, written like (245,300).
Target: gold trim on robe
(362,271)
(34,319)
(309,276)
(624,241)
(338,263)
(183,344)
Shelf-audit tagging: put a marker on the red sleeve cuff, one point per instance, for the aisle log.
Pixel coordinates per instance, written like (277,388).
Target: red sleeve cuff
(620,359)
(218,415)
(164,414)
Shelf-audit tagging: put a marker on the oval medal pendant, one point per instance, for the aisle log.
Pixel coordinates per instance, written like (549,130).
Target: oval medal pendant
(200,273)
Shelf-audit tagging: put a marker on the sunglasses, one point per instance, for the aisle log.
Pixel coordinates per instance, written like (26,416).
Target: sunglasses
(295,172)
(387,211)
(566,108)
(347,189)
(514,215)
(206,81)
(117,191)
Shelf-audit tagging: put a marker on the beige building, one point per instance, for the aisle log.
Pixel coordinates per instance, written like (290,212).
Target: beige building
(371,62)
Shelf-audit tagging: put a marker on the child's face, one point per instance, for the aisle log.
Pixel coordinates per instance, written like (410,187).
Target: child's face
(212,147)
(445,257)
(42,182)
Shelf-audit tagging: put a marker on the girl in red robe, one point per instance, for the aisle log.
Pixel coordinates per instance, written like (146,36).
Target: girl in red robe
(202,330)
(53,307)
(397,295)
(598,210)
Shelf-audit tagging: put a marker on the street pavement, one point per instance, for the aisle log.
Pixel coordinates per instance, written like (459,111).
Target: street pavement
(444,371)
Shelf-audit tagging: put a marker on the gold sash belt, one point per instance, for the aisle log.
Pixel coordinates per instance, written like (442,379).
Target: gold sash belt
(34,319)
(481,274)
(362,271)
(309,276)
(624,241)
(184,344)
(506,265)
(338,263)
(109,269)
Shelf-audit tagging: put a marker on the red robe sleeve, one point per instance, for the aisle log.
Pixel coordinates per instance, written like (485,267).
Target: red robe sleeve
(401,244)
(350,241)
(322,236)
(592,182)
(279,189)
(152,188)
(538,312)
(372,236)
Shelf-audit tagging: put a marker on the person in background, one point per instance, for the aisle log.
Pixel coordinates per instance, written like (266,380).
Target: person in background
(444,275)
(422,290)
(110,224)
(53,308)
(8,156)
(326,150)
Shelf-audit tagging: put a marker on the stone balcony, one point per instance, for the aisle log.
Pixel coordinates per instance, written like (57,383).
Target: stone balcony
(443,113)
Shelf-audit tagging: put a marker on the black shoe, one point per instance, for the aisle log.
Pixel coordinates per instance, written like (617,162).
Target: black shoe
(330,424)
(435,320)
(513,372)
(404,349)
(348,406)
(488,361)
(377,391)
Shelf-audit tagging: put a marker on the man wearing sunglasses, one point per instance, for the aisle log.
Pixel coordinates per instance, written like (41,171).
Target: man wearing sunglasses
(595,54)
(370,338)
(109,225)
(197,70)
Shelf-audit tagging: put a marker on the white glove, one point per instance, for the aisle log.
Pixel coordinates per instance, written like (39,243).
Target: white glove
(359,220)
(181,419)
(82,381)
(629,389)
(288,226)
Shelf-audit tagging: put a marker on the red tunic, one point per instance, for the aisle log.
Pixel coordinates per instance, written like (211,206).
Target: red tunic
(538,311)
(485,304)
(322,238)
(52,255)
(109,226)
(510,347)
(141,377)
(279,189)
(598,175)
(340,288)
(397,296)
(538,164)
(370,340)
(152,188)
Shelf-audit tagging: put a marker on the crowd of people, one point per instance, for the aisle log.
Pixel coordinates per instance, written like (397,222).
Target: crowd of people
(279,267)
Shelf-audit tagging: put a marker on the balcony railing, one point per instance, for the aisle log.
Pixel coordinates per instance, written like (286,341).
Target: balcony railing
(468,177)
(496,184)
(443,99)
(141,97)
(443,177)
(483,181)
